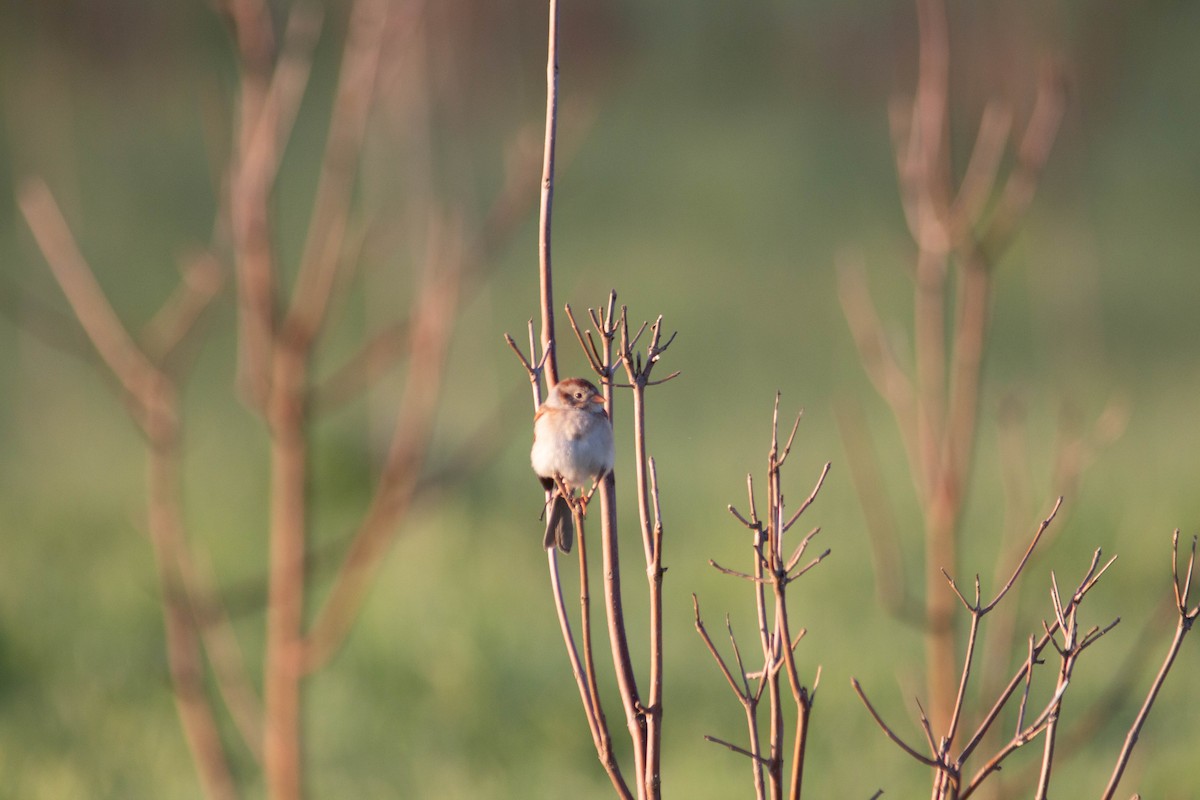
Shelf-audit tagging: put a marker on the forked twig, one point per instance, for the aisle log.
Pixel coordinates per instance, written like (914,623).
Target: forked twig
(891,734)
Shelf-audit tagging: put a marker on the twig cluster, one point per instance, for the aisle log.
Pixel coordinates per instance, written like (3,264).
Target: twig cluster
(609,347)
(1061,633)
(770,575)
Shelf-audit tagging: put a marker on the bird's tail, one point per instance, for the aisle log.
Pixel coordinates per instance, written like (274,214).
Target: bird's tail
(559,529)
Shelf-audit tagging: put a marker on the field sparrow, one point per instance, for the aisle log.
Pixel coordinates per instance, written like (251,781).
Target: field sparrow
(572,439)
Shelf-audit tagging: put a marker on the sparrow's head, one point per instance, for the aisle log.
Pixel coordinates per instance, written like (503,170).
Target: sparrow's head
(576,393)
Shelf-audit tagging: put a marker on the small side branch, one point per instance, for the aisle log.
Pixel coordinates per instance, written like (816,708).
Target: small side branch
(891,734)
(77,281)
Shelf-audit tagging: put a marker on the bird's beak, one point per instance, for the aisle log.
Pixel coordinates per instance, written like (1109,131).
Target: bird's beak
(598,399)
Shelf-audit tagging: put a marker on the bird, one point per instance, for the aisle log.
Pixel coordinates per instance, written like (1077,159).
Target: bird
(572,443)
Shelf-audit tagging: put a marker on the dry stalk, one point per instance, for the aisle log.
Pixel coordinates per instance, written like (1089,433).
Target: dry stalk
(959,230)
(545,271)
(771,570)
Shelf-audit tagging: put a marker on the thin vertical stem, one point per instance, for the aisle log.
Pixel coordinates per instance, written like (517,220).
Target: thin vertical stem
(547,198)
(585,696)
(1051,733)
(1187,617)
(803,709)
(1135,730)
(775,702)
(618,640)
(184,657)
(751,706)
(972,638)
(283,667)
(969,344)
(639,444)
(654,574)
(799,694)
(596,719)
(929,321)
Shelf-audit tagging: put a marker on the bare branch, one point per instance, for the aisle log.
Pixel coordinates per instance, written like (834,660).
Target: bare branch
(737,655)
(925,726)
(887,730)
(77,281)
(734,573)
(1022,676)
(736,749)
(741,519)
(1187,616)
(954,586)
(800,548)
(750,498)
(585,695)
(1032,155)
(740,691)
(321,258)
(787,448)
(811,497)
(1025,558)
(809,565)
(170,327)
(979,177)
(599,724)
(878,359)
(588,345)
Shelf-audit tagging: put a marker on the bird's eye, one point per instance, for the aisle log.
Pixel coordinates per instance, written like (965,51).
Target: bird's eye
(579,395)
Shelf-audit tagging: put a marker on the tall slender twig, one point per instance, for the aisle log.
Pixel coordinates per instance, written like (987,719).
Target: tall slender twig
(1187,617)
(547,198)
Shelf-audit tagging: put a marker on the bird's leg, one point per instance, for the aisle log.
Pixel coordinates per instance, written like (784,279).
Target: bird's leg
(563,488)
(554,486)
(584,499)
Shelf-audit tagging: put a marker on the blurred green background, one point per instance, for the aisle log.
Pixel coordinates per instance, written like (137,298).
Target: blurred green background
(733,152)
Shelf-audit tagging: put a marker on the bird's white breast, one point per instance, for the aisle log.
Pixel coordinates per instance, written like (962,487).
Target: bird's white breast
(579,458)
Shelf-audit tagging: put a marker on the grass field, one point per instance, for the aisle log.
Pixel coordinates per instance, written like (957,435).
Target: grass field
(733,156)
